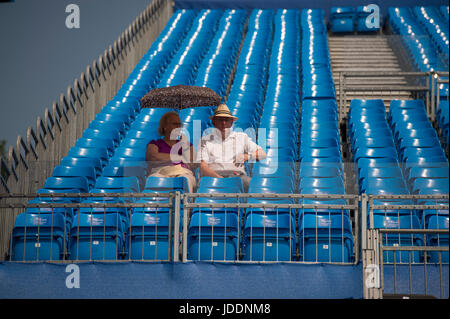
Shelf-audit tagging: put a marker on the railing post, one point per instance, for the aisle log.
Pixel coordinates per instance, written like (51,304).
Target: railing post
(185,227)
(372,287)
(176,225)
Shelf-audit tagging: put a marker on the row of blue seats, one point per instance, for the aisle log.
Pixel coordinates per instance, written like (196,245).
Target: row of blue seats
(423,53)
(436,26)
(279,116)
(375,140)
(373,146)
(349,19)
(316,77)
(184,65)
(246,96)
(418,146)
(442,121)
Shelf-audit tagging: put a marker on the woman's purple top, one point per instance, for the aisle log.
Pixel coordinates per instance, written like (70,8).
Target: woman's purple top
(163,147)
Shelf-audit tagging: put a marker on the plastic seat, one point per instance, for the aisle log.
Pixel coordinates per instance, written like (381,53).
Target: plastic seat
(439,184)
(149,236)
(323,182)
(95,134)
(306,171)
(83,152)
(137,154)
(78,183)
(229,184)
(437,240)
(400,222)
(85,142)
(273,184)
(130,184)
(269,237)
(71,171)
(83,162)
(325,238)
(213,236)
(38,237)
(375,185)
(96,237)
(342,19)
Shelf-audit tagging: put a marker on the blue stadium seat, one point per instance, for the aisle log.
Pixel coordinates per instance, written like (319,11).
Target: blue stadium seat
(83,162)
(73,171)
(269,238)
(85,142)
(96,237)
(83,152)
(228,185)
(38,237)
(325,238)
(342,19)
(79,183)
(213,236)
(118,184)
(439,240)
(149,236)
(400,222)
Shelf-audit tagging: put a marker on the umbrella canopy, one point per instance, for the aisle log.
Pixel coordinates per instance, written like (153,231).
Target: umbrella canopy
(180,97)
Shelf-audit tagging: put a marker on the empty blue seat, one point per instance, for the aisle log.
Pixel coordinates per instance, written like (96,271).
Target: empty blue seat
(149,236)
(272,184)
(269,237)
(67,184)
(322,182)
(96,237)
(118,184)
(84,152)
(213,236)
(325,238)
(85,142)
(439,240)
(342,19)
(38,237)
(73,171)
(392,239)
(438,184)
(94,134)
(229,184)
(83,162)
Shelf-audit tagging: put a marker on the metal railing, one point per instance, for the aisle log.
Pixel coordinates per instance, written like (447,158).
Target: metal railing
(423,91)
(271,232)
(404,250)
(135,221)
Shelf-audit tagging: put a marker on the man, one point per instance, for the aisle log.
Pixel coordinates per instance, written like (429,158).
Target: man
(224,152)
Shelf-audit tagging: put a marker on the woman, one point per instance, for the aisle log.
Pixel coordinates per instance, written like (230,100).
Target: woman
(170,157)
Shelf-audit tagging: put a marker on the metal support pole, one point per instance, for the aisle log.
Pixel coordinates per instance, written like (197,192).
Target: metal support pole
(176,235)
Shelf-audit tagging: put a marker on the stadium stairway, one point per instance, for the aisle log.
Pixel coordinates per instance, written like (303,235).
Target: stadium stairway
(366,53)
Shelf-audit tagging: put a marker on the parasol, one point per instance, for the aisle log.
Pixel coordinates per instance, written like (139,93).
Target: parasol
(180,97)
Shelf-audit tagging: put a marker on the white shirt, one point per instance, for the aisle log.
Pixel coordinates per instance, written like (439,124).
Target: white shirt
(220,154)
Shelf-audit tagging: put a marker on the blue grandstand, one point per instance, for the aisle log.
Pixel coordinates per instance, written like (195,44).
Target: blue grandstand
(353,118)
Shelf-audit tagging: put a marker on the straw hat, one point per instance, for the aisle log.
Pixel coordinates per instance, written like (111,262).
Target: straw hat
(223,111)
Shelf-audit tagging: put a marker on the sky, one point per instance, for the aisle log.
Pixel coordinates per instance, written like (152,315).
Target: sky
(40,56)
